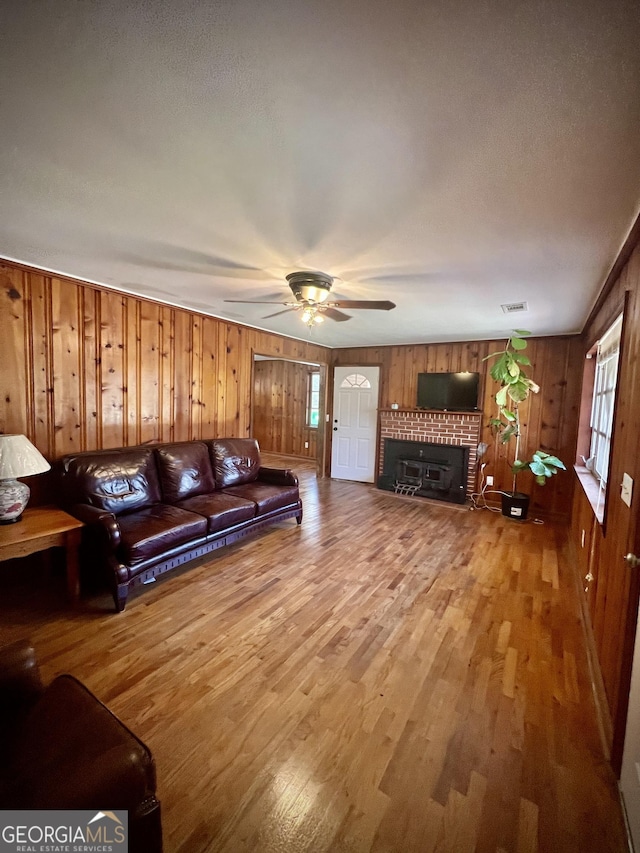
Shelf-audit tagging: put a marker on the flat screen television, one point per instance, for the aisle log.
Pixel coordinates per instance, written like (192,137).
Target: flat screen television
(444,391)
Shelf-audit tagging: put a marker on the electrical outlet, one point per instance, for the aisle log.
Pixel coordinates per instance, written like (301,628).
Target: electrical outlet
(489,480)
(306,445)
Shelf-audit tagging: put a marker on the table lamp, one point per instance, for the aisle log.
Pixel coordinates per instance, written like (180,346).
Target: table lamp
(18,458)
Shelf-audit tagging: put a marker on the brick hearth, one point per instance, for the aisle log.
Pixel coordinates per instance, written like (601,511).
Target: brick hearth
(457,428)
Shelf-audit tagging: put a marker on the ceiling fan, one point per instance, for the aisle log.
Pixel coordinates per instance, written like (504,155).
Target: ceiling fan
(311,291)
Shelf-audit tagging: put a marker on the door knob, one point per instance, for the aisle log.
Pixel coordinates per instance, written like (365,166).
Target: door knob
(632,561)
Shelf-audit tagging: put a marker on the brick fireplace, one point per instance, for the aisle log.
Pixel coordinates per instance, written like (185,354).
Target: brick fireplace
(458,429)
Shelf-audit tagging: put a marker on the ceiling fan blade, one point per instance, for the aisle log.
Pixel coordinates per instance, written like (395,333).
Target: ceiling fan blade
(255,302)
(278,313)
(372,304)
(334,314)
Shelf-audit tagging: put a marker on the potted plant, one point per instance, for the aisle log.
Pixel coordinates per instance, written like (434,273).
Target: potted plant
(515,387)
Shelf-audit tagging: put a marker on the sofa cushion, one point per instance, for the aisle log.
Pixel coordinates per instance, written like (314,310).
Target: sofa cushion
(185,470)
(266,496)
(235,461)
(113,480)
(157,529)
(221,509)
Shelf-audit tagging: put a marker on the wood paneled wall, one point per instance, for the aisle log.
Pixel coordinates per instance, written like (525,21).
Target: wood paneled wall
(280,408)
(613,591)
(85,367)
(549,419)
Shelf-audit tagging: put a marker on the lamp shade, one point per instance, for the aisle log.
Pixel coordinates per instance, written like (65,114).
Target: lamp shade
(18,458)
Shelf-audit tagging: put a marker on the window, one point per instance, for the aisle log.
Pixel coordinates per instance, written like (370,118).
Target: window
(604,392)
(355,380)
(313,399)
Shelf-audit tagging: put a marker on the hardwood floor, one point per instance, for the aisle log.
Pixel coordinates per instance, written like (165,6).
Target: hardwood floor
(393,675)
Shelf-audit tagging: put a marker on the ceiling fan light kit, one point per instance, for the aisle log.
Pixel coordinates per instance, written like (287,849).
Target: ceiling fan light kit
(311,316)
(310,286)
(311,290)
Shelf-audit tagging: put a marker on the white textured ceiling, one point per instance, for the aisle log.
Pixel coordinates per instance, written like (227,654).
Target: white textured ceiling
(449,156)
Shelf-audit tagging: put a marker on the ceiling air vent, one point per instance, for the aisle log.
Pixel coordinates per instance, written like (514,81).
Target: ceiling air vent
(514,307)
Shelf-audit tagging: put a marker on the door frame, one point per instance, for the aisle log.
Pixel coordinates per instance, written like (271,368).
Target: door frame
(321,442)
(330,395)
(625,537)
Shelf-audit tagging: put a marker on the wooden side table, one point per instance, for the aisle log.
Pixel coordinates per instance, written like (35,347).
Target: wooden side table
(41,528)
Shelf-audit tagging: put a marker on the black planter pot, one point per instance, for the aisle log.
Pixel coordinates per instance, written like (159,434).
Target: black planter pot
(515,505)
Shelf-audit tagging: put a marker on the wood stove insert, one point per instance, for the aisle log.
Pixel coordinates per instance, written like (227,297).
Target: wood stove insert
(426,470)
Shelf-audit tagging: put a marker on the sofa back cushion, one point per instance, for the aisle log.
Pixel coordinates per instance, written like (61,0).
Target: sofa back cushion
(116,481)
(185,470)
(235,461)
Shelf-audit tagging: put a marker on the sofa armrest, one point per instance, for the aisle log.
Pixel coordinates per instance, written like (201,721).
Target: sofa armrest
(277,476)
(104,522)
(72,752)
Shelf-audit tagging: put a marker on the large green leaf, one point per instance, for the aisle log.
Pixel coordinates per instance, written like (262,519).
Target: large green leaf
(518,343)
(548,459)
(522,333)
(501,396)
(518,391)
(500,371)
(539,468)
(521,359)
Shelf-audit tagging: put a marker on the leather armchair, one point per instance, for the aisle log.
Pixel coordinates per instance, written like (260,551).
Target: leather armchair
(61,748)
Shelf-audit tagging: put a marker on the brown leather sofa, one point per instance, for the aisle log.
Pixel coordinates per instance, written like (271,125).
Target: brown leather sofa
(148,509)
(61,748)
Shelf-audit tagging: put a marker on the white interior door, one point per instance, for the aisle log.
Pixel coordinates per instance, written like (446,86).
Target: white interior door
(355,407)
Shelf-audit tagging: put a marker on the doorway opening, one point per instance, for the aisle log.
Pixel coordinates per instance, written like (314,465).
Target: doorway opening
(288,407)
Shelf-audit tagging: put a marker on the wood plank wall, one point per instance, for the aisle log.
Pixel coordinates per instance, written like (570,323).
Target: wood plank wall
(280,408)
(85,367)
(549,419)
(612,589)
